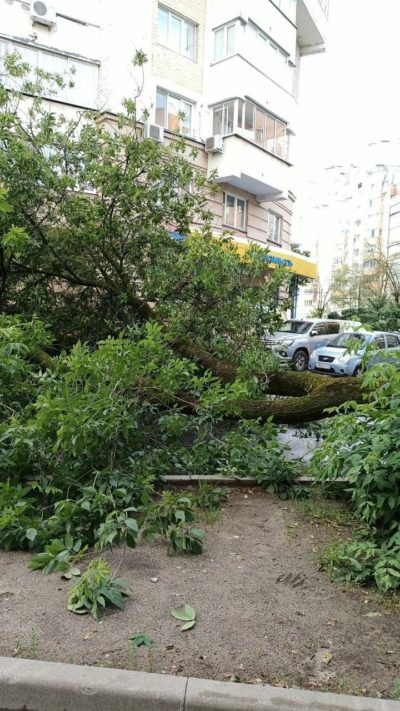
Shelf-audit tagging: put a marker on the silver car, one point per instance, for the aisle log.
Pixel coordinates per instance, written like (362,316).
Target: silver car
(297,339)
(342,357)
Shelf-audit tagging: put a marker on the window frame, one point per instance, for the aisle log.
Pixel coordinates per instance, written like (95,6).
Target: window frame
(242,110)
(277,219)
(224,29)
(236,197)
(184,21)
(224,107)
(181,100)
(269,42)
(392,335)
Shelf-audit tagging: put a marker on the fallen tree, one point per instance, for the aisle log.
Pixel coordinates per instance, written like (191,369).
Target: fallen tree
(86,246)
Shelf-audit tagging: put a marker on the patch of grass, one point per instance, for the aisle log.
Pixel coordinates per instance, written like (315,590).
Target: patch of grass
(332,513)
(29,650)
(106,664)
(285,681)
(208,517)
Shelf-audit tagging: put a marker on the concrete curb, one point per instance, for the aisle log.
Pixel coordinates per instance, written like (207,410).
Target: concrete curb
(185,479)
(27,685)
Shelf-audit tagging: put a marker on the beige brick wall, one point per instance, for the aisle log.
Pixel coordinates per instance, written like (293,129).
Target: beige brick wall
(257,216)
(182,71)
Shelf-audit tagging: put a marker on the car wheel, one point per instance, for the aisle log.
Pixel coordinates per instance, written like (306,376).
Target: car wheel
(358,372)
(300,361)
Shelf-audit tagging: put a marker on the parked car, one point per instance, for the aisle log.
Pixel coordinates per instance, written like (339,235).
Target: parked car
(339,358)
(297,339)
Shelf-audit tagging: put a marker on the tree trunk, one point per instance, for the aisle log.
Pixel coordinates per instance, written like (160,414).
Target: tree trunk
(310,396)
(305,396)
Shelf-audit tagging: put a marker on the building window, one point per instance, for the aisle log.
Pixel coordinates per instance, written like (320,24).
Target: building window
(174,113)
(255,123)
(176,33)
(274,228)
(234,211)
(224,41)
(261,43)
(80,77)
(223,116)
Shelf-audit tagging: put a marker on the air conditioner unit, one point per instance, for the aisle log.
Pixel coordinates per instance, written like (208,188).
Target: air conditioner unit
(151,130)
(214,144)
(42,13)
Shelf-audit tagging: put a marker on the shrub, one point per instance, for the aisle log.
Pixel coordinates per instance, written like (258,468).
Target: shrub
(97,588)
(361,445)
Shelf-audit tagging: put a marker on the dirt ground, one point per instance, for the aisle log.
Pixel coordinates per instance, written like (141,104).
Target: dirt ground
(265,613)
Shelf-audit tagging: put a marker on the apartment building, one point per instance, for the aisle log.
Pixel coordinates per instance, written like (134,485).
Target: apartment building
(223,74)
(356,220)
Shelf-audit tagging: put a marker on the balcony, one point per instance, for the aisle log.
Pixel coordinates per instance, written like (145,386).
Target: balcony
(312,24)
(248,167)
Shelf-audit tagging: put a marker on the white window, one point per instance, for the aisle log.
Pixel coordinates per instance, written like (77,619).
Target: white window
(80,77)
(261,43)
(274,227)
(224,41)
(174,113)
(234,211)
(268,131)
(176,33)
(223,118)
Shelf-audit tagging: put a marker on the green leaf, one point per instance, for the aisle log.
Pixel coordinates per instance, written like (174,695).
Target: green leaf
(113,596)
(185,613)
(198,532)
(188,625)
(141,640)
(132,524)
(31,534)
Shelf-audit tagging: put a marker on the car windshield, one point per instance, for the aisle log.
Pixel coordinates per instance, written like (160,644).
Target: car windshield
(346,339)
(295,327)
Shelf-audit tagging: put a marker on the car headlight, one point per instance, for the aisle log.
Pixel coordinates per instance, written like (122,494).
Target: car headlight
(286,342)
(344,358)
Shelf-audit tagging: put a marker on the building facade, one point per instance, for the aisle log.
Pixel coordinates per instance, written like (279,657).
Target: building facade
(354,219)
(224,75)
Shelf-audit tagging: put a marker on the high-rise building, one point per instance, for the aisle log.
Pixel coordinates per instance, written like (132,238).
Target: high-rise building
(223,74)
(354,220)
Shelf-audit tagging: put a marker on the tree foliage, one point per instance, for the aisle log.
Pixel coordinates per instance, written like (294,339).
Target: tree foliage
(88,247)
(361,445)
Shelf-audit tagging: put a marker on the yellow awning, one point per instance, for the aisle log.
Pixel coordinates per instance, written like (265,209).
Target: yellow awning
(296,263)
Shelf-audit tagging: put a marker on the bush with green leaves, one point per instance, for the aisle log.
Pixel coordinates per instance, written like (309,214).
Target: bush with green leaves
(81,456)
(361,445)
(96,590)
(19,342)
(59,555)
(171,517)
(209,497)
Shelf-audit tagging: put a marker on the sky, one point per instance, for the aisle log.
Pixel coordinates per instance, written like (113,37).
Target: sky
(350,95)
